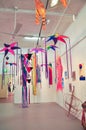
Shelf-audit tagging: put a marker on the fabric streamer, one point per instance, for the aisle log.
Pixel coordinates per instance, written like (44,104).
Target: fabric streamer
(38,74)
(34,74)
(46,62)
(3,75)
(40,13)
(59,74)
(24,87)
(50,74)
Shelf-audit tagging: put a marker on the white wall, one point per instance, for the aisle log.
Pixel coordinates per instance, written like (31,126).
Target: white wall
(76,32)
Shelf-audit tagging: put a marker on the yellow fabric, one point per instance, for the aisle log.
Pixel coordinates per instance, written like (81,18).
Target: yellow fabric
(34,74)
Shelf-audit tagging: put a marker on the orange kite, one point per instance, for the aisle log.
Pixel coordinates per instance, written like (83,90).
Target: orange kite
(40,13)
(64,2)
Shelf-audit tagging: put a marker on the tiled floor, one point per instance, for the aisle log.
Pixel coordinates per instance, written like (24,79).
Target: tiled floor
(44,116)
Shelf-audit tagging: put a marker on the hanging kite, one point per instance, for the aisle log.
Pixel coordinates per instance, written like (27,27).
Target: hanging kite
(36,50)
(40,13)
(59,74)
(28,56)
(25,78)
(24,84)
(9,48)
(62,38)
(64,3)
(57,38)
(53,47)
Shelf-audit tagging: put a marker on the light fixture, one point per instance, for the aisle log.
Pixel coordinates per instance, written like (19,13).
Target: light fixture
(31,38)
(74,18)
(53,3)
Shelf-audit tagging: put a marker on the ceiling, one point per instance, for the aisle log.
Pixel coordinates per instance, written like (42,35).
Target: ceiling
(19,16)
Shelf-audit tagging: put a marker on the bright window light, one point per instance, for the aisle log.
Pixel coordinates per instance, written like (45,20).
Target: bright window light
(53,2)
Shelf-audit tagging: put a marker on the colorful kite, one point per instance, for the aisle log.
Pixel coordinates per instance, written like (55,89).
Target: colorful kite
(25,70)
(57,38)
(64,2)
(24,84)
(36,50)
(53,47)
(9,48)
(61,38)
(40,13)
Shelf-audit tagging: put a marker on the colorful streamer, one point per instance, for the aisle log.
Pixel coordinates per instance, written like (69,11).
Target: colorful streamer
(59,74)
(50,74)
(24,87)
(46,62)
(34,74)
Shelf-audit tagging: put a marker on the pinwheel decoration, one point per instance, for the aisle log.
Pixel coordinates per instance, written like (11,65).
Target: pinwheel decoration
(57,38)
(9,48)
(53,47)
(62,38)
(36,50)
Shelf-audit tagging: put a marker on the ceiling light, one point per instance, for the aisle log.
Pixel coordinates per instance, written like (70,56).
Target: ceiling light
(31,38)
(53,3)
(74,18)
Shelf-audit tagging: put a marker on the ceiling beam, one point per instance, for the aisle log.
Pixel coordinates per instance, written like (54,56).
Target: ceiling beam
(33,12)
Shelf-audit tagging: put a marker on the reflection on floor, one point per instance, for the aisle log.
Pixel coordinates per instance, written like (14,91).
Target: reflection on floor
(38,116)
(9,99)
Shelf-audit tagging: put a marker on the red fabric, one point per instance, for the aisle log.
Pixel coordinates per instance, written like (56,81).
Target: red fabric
(59,73)
(50,76)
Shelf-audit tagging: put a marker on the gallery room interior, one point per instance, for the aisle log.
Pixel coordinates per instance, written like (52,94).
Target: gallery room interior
(43,64)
